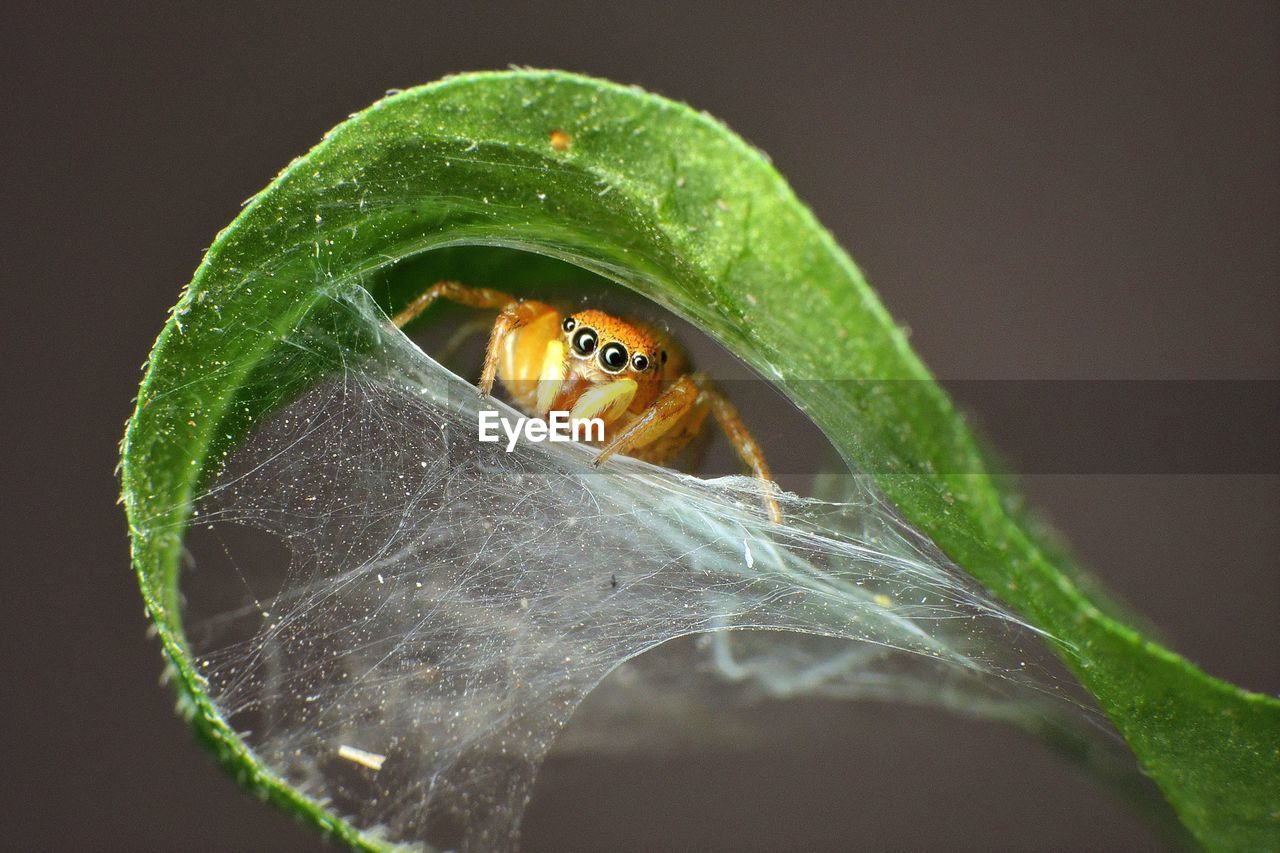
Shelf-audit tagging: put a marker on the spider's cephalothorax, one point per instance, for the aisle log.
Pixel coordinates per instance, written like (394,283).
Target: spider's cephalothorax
(594,365)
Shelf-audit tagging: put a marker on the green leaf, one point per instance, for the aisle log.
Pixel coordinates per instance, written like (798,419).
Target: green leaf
(673,204)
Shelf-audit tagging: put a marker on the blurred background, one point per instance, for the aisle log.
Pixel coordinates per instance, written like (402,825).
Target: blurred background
(1041,192)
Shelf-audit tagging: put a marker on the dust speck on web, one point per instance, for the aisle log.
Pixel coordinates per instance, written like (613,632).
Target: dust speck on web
(438,607)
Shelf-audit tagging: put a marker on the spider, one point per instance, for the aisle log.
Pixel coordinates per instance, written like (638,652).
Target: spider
(594,365)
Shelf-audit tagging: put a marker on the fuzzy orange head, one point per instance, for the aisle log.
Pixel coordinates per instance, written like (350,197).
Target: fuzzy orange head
(605,366)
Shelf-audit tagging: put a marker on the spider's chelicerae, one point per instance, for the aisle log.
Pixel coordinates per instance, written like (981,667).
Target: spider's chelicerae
(594,365)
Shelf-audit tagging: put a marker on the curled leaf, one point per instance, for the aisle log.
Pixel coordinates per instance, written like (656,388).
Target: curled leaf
(276,398)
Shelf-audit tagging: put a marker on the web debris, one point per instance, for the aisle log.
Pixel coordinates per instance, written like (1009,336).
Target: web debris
(447,605)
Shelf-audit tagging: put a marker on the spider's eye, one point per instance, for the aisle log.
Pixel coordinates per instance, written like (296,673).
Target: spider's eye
(613,356)
(640,362)
(569,324)
(584,342)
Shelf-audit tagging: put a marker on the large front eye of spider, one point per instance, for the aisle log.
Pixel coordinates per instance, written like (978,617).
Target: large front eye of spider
(584,342)
(613,356)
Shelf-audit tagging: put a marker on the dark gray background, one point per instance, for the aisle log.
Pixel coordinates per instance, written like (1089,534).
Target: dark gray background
(1039,191)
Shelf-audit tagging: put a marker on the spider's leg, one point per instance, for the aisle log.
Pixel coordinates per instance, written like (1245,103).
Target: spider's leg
(519,363)
(476,297)
(514,314)
(661,416)
(726,414)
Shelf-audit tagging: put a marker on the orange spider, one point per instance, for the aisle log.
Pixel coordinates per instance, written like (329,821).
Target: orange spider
(593,365)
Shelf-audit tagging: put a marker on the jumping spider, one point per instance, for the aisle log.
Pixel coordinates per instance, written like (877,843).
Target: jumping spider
(594,365)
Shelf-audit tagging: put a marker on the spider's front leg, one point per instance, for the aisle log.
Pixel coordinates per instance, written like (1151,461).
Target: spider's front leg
(476,297)
(521,360)
(667,412)
(514,314)
(662,415)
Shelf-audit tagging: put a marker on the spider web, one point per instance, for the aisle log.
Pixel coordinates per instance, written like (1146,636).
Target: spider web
(399,619)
